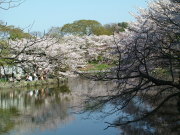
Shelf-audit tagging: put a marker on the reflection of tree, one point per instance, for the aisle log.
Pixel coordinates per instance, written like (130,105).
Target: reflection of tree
(165,122)
(39,108)
(6,122)
(49,107)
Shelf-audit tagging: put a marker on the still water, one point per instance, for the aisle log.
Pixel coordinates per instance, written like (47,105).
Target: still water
(52,110)
(55,110)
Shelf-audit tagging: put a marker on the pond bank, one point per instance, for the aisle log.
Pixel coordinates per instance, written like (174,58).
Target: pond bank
(31,83)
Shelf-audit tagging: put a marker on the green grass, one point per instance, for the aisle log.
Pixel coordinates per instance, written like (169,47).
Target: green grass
(96,67)
(3,80)
(161,72)
(100,66)
(24,83)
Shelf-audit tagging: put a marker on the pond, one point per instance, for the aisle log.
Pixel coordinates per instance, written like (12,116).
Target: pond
(55,110)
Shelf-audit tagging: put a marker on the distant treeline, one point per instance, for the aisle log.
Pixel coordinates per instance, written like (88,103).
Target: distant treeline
(78,28)
(87,27)
(12,32)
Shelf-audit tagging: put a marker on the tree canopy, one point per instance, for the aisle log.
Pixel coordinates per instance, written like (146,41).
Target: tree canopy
(81,27)
(92,27)
(116,27)
(11,32)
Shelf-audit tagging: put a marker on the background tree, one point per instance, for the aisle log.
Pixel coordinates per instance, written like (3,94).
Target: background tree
(116,27)
(11,32)
(122,26)
(55,32)
(80,27)
(85,27)
(101,30)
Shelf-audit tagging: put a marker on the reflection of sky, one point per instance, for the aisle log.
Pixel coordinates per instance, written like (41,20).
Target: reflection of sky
(48,112)
(44,113)
(78,126)
(141,104)
(88,127)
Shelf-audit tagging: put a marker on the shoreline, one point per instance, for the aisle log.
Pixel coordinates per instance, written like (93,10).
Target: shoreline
(23,83)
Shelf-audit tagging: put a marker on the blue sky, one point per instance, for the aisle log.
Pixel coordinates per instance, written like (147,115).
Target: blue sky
(44,14)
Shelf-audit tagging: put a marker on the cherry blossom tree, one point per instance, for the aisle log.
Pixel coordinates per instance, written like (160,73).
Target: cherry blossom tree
(32,55)
(149,64)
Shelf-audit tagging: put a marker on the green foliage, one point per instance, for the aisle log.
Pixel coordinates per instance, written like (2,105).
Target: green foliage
(101,66)
(161,72)
(17,33)
(12,32)
(6,122)
(111,28)
(96,67)
(80,27)
(122,26)
(101,31)
(119,27)
(3,80)
(64,89)
(4,53)
(87,27)
(4,48)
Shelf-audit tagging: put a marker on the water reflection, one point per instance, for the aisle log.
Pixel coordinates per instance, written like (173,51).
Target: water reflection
(165,122)
(39,108)
(47,111)
(6,123)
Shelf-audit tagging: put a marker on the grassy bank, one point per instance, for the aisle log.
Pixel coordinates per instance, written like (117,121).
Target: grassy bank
(96,67)
(31,83)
